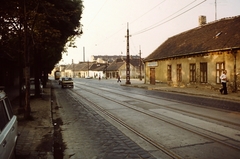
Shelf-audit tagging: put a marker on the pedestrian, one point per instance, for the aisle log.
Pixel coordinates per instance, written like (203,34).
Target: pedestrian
(224,80)
(119,80)
(99,78)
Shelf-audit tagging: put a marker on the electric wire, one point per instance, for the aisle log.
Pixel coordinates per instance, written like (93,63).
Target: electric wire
(134,20)
(172,14)
(97,13)
(156,25)
(133,49)
(148,11)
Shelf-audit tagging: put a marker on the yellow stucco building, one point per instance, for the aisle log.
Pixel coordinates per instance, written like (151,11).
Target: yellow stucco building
(196,58)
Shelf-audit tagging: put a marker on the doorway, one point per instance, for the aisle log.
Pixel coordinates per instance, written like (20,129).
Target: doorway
(152,76)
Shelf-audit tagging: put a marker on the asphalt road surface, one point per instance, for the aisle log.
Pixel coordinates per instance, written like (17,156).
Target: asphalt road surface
(102,119)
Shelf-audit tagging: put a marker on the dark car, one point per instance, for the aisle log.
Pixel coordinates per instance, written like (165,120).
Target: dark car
(32,87)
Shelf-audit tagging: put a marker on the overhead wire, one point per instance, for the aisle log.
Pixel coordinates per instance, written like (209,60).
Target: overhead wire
(134,49)
(171,14)
(158,24)
(97,13)
(148,11)
(154,25)
(135,20)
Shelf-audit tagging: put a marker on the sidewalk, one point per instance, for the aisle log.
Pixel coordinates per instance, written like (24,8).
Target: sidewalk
(207,92)
(36,139)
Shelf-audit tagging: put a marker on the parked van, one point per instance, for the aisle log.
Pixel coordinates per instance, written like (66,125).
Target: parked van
(8,128)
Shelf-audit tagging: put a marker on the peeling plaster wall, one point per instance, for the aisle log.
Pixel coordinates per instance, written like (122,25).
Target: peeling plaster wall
(210,58)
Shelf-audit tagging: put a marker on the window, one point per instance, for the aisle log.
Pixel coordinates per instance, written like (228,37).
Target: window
(203,72)
(3,116)
(192,75)
(220,66)
(9,107)
(169,72)
(179,73)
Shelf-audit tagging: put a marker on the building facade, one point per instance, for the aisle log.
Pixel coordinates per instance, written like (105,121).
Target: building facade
(196,58)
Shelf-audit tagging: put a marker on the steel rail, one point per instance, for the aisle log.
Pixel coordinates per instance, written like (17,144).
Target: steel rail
(122,123)
(169,122)
(192,113)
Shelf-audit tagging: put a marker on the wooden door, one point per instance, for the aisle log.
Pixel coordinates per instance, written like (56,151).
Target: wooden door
(152,76)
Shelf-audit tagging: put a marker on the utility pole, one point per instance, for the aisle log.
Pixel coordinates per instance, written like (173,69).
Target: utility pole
(83,54)
(140,64)
(73,68)
(128,60)
(215,9)
(88,69)
(106,68)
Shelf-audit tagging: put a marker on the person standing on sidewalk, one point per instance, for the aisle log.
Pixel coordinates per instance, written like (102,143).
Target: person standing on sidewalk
(224,80)
(119,80)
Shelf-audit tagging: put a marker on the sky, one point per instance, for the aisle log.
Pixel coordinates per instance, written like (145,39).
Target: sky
(150,23)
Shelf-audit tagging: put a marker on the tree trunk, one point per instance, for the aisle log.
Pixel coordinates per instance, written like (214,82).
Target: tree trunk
(26,69)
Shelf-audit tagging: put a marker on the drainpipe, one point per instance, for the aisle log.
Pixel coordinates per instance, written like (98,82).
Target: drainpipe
(235,71)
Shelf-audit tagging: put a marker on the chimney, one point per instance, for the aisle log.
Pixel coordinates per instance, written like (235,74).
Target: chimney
(202,20)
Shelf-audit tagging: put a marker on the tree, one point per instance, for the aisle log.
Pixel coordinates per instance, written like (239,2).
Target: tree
(39,30)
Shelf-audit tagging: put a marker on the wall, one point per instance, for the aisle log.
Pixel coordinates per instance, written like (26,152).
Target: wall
(211,59)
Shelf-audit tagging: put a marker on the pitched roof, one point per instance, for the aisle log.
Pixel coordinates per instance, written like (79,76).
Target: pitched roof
(98,67)
(219,35)
(115,65)
(112,58)
(135,62)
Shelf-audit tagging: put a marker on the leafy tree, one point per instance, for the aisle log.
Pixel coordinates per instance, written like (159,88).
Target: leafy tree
(39,31)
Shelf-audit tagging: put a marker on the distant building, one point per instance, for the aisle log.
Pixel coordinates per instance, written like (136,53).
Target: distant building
(118,68)
(110,67)
(109,58)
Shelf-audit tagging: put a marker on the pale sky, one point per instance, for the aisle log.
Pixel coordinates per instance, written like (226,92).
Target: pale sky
(151,22)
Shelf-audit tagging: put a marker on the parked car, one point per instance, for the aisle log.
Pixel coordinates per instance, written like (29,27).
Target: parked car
(67,82)
(32,87)
(8,128)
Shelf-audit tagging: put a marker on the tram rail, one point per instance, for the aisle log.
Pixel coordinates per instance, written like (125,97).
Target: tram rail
(146,138)
(179,110)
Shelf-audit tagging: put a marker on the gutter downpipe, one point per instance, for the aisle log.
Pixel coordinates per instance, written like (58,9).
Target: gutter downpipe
(234,52)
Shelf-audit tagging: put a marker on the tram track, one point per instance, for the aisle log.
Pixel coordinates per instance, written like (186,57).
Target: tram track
(124,124)
(146,138)
(191,113)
